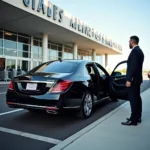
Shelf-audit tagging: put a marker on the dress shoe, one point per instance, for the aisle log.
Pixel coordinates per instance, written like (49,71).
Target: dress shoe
(139,121)
(129,123)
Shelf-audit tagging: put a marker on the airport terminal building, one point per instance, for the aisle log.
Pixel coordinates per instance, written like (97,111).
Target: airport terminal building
(36,31)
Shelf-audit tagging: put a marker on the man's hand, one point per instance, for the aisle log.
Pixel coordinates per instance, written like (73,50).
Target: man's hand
(128,84)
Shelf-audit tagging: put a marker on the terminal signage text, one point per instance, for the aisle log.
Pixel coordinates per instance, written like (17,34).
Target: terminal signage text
(81,27)
(51,11)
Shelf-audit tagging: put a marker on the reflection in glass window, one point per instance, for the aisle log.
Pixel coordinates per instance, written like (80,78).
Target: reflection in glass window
(70,56)
(60,54)
(23,40)
(40,44)
(23,54)
(36,43)
(53,53)
(59,48)
(40,53)
(10,36)
(24,35)
(65,55)
(54,47)
(1,43)
(40,50)
(10,44)
(23,47)
(24,65)
(1,34)
(35,49)
(36,56)
(18,64)
(34,64)
(9,52)
(11,63)
(1,51)
(52,58)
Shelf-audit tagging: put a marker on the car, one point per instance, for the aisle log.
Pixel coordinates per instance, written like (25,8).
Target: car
(60,85)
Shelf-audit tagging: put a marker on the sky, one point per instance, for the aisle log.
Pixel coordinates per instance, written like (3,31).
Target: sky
(118,19)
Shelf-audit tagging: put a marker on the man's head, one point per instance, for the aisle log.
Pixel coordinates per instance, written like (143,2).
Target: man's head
(134,40)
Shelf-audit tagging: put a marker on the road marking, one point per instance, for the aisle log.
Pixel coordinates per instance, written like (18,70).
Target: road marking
(10,112)
(2,93)
(80,133)
(31,136)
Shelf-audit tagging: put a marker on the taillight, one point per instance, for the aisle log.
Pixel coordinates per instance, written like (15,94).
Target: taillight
(11,87)
(62,86)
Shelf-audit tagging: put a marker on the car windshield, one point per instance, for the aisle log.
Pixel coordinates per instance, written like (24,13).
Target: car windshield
(56,67)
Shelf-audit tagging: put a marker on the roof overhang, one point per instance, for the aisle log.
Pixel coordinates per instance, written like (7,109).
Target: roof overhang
(17,17)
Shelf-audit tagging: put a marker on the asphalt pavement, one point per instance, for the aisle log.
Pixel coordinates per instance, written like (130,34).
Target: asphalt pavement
(20,129)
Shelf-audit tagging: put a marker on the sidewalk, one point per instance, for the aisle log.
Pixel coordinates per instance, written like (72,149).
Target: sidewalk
(108,134)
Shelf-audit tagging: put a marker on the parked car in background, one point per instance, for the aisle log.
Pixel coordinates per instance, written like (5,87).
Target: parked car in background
(66,85)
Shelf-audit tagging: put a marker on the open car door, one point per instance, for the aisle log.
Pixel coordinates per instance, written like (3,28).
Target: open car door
(117,87)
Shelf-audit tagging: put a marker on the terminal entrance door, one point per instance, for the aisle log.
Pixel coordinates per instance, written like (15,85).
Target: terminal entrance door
(24,65)
(10,64)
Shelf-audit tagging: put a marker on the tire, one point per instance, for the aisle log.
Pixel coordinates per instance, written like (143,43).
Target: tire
(86,106)
(113,98)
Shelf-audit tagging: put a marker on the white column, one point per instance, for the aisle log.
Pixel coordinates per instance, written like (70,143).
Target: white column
(63,50)
(31,65)
(93,55)
(75,51)
(106,60)
(45,47)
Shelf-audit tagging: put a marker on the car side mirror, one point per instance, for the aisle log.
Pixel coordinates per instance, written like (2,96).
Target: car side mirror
(116,73)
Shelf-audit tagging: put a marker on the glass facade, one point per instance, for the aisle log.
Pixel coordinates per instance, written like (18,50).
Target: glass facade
(54,51)
(18,51)
(99,59)
(84,55)
(37,49)
(68,53)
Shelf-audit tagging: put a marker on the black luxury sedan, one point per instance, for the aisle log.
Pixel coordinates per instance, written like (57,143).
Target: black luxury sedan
(66,85)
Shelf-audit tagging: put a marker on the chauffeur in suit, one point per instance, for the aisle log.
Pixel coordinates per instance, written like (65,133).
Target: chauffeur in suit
(134,80)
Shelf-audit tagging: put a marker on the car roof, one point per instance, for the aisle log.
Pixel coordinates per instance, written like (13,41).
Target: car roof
(74,60)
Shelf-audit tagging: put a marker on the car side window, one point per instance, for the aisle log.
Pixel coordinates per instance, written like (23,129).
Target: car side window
(101,72)
(120,70)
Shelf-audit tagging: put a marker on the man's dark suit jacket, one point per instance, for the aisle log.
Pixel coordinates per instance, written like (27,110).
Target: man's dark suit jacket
(135,65)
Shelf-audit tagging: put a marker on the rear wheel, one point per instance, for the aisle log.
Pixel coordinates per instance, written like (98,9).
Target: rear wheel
(86,106)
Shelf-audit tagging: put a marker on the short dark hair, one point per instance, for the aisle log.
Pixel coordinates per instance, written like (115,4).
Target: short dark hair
(135,39)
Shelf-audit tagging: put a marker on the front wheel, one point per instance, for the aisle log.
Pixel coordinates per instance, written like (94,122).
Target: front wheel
(86,106)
